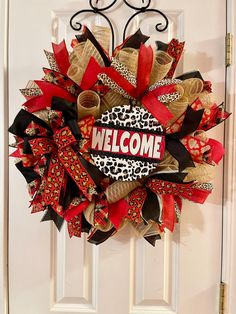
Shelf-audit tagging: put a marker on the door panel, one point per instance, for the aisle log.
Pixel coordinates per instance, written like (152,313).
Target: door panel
(50,273)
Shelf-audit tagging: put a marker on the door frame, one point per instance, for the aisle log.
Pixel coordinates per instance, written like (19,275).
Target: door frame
(4,35)
(229,201)
(229,213)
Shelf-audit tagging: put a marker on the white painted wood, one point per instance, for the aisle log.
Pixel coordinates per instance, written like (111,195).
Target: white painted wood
(50,273)
(229,240)
(74,273)
(155,291)
(3,157)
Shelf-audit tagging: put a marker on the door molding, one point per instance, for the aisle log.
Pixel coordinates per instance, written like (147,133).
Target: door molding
(229,213)
(4,304)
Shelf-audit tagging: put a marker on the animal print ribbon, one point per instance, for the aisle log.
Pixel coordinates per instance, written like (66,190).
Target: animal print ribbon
(85,126)
(171,193)
(194,192)
(63,160)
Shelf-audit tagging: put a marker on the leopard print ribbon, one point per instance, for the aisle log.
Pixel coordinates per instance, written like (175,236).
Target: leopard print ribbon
(135,204)
(175,50)
(86,125)
(192,191)
(63,160)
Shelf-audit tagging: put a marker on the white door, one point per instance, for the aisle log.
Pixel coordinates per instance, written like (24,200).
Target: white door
(49,273)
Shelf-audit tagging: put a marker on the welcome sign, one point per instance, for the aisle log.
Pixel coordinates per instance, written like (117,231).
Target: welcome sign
(120,142)
(127,144)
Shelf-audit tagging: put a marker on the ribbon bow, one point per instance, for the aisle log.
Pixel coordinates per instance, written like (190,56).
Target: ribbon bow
(63,160)
(149,98)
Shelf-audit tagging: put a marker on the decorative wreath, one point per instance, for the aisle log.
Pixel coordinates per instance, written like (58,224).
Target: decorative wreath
(105,141)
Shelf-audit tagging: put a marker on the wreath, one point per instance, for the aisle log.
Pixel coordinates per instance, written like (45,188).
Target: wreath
(105,141)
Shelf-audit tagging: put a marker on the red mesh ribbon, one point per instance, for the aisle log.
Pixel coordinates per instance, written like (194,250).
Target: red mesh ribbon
(217,151)
(63,159)
(171,207)
(145,62)
(168,212)
(155,107)
(117,212)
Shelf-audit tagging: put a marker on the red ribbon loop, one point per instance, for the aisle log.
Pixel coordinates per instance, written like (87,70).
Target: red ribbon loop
(62,56)
(145,62)
(168,212)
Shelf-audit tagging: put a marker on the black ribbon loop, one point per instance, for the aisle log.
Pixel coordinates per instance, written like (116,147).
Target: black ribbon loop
(135,40)
(88,35)
(191,122)
(69,111)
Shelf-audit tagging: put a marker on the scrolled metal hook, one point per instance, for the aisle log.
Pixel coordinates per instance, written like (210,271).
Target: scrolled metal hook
(160,27)
(76,26)
(138,8)
(144,8)
(94,7)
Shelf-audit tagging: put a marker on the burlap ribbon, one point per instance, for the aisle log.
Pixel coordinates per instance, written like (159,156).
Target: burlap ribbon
(111,99)
(161,65)
(129,57)
(119,190)
(88,103)
(80,60)
(102,35)
(201,173)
